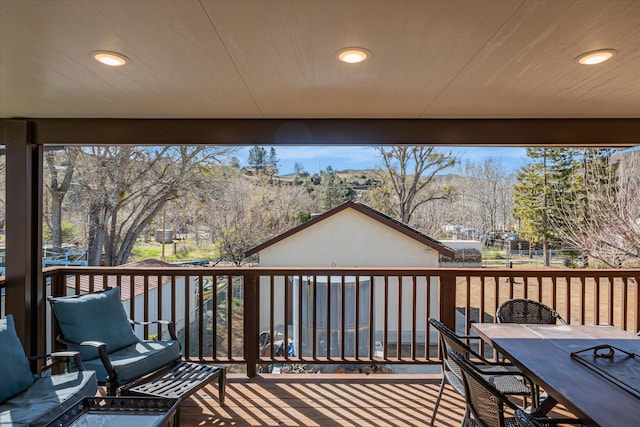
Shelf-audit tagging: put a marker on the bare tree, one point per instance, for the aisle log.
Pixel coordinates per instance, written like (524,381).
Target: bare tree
(128,186)
(410,172)
(248,212)
(433,217)
(59,164)
(602,219)
(489,195)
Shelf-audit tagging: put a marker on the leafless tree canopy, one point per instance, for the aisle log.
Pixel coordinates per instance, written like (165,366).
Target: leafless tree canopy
(603,221)
(124,188)
(480,198)
(409,173)
(248,211)
(60,165)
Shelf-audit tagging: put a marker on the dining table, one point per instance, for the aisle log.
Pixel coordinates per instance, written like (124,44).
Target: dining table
(594,371)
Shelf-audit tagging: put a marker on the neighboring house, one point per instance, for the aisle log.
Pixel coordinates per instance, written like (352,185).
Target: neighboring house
(468,254)
(350,235)
(137,292)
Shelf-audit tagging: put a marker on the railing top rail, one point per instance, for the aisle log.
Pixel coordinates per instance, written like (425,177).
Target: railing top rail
(347,271)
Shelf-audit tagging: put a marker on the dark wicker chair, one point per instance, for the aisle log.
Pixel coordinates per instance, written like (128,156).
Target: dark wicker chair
(506,377)
(486,404)
(527,311)
(525,420)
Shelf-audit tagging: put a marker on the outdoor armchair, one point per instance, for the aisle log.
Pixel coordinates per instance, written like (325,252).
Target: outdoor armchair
(527,311)
(35,400)
(506,377)
(96,325)
(486,404)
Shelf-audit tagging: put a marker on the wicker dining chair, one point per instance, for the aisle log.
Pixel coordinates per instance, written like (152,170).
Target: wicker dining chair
(527,311)
(486,404)
(504,376)
(525,420)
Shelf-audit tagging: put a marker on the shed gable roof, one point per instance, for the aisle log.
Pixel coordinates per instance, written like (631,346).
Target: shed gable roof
(371,213)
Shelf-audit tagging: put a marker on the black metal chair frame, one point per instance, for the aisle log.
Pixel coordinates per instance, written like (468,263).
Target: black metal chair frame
(525,420)
(504,373)
(111,384)
(472,377)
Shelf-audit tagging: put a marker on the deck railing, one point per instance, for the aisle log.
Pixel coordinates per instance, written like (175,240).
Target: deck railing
(339,316)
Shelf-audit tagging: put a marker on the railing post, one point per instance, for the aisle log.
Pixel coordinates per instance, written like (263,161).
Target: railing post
(447,303)
(251,327)
(636,308)
(57,289)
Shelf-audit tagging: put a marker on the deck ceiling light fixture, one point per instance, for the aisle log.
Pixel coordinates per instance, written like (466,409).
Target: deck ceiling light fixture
(595,57)
(353,55)
(112,59)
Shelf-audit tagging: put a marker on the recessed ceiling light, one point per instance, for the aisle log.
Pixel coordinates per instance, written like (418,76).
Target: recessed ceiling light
(112,59)
(595,57)
(353,55)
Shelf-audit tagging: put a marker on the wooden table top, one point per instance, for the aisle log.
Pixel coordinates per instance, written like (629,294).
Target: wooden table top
(543,352)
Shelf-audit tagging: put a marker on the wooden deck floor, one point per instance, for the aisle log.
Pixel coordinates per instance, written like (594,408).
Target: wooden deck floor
(323,400)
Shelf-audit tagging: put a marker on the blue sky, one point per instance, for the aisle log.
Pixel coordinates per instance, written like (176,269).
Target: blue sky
(316,158)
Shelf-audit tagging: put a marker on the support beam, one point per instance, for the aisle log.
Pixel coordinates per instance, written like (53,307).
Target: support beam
(24,294)
(611,133)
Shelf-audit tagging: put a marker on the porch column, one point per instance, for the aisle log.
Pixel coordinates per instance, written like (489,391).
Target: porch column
(24,294)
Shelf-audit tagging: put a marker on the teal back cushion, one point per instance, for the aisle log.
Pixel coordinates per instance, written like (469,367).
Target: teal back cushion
(97,316)
(15,375)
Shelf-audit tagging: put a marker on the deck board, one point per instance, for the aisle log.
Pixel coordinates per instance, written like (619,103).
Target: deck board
(326,400)
(323,400)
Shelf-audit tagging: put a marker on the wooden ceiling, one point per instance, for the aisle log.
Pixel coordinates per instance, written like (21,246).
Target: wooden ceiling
(277,59)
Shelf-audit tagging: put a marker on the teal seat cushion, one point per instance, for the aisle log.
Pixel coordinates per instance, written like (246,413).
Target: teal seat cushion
(47,398)
(15,374)
(97,316)
(136,360)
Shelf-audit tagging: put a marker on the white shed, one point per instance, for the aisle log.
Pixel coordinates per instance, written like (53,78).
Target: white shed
(352,235)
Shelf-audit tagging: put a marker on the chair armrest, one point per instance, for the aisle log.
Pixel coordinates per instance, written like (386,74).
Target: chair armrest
(58,357)
(102,353)
(104,356)
(171,326)
(545,420)
(511,372)
(464,337)
(523,419)
(96,344)
(505,366)
(67,356)
(497,368)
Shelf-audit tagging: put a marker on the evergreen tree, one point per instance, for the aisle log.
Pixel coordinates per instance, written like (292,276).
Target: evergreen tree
(234,162)
(540,188)
(333,190)
(298,169)
(272,162)
(258,158)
